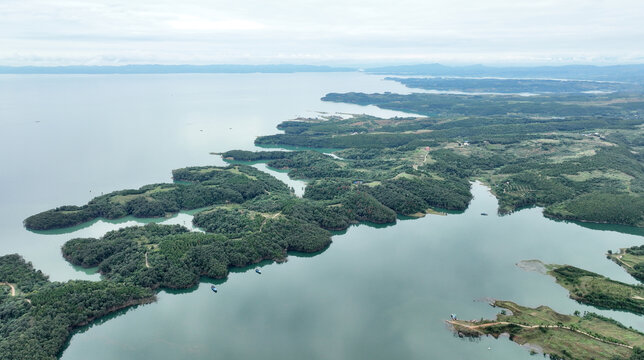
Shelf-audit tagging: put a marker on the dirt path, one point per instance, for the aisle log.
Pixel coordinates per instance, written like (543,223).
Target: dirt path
(147,264)
(617,258)
(475,327)
(622,263)
(269,217)
(415,166)
(12,286)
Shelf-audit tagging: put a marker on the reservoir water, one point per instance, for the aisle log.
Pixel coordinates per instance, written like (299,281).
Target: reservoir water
(376,292)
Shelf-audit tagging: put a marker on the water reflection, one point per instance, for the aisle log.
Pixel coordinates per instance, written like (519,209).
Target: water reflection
(395,283)
(183,218)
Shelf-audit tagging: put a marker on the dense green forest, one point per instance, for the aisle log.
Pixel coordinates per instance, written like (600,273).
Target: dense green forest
(621,208)
(170,256)
(37,322)
(198,187)
(393,181)
(580,156)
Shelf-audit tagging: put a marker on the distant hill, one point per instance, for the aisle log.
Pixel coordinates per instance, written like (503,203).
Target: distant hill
(170,69)
(626,73)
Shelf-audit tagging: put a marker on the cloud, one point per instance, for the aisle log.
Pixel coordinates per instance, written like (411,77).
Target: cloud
(45,32)
(195,23)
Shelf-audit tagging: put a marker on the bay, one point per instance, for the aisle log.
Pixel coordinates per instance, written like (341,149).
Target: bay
(376,292)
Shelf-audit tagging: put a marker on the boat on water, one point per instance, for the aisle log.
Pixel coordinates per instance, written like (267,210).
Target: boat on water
(484,214)
(213,288)
(257,270)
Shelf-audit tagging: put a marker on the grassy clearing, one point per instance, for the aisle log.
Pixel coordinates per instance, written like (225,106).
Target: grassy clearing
(625,259)
(597,174)
(405,176)
(235,170)
(124,199)
(575,155)
(594,289)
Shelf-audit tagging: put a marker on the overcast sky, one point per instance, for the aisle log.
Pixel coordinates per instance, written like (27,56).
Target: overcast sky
(66,32)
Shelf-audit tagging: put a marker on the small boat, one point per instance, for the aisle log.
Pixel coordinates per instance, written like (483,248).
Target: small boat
(484,214)
(213,288)
(257,270)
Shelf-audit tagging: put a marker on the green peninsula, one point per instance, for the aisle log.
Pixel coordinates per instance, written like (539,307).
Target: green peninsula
(632,260)
(586,337)
(593,289)
(194,187)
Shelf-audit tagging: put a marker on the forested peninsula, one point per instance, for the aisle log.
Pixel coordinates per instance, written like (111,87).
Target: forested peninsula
(593,289)
(37,316)
(577,155)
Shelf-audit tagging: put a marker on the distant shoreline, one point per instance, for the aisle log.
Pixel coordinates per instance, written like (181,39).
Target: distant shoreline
(171,69)
(627,73)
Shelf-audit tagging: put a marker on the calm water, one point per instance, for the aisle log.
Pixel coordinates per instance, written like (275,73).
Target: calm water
(377,292)
(66,139)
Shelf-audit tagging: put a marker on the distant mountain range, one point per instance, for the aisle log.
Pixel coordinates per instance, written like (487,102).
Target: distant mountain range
(625,73)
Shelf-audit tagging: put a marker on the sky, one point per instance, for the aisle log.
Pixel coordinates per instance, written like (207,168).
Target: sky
(332,32)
